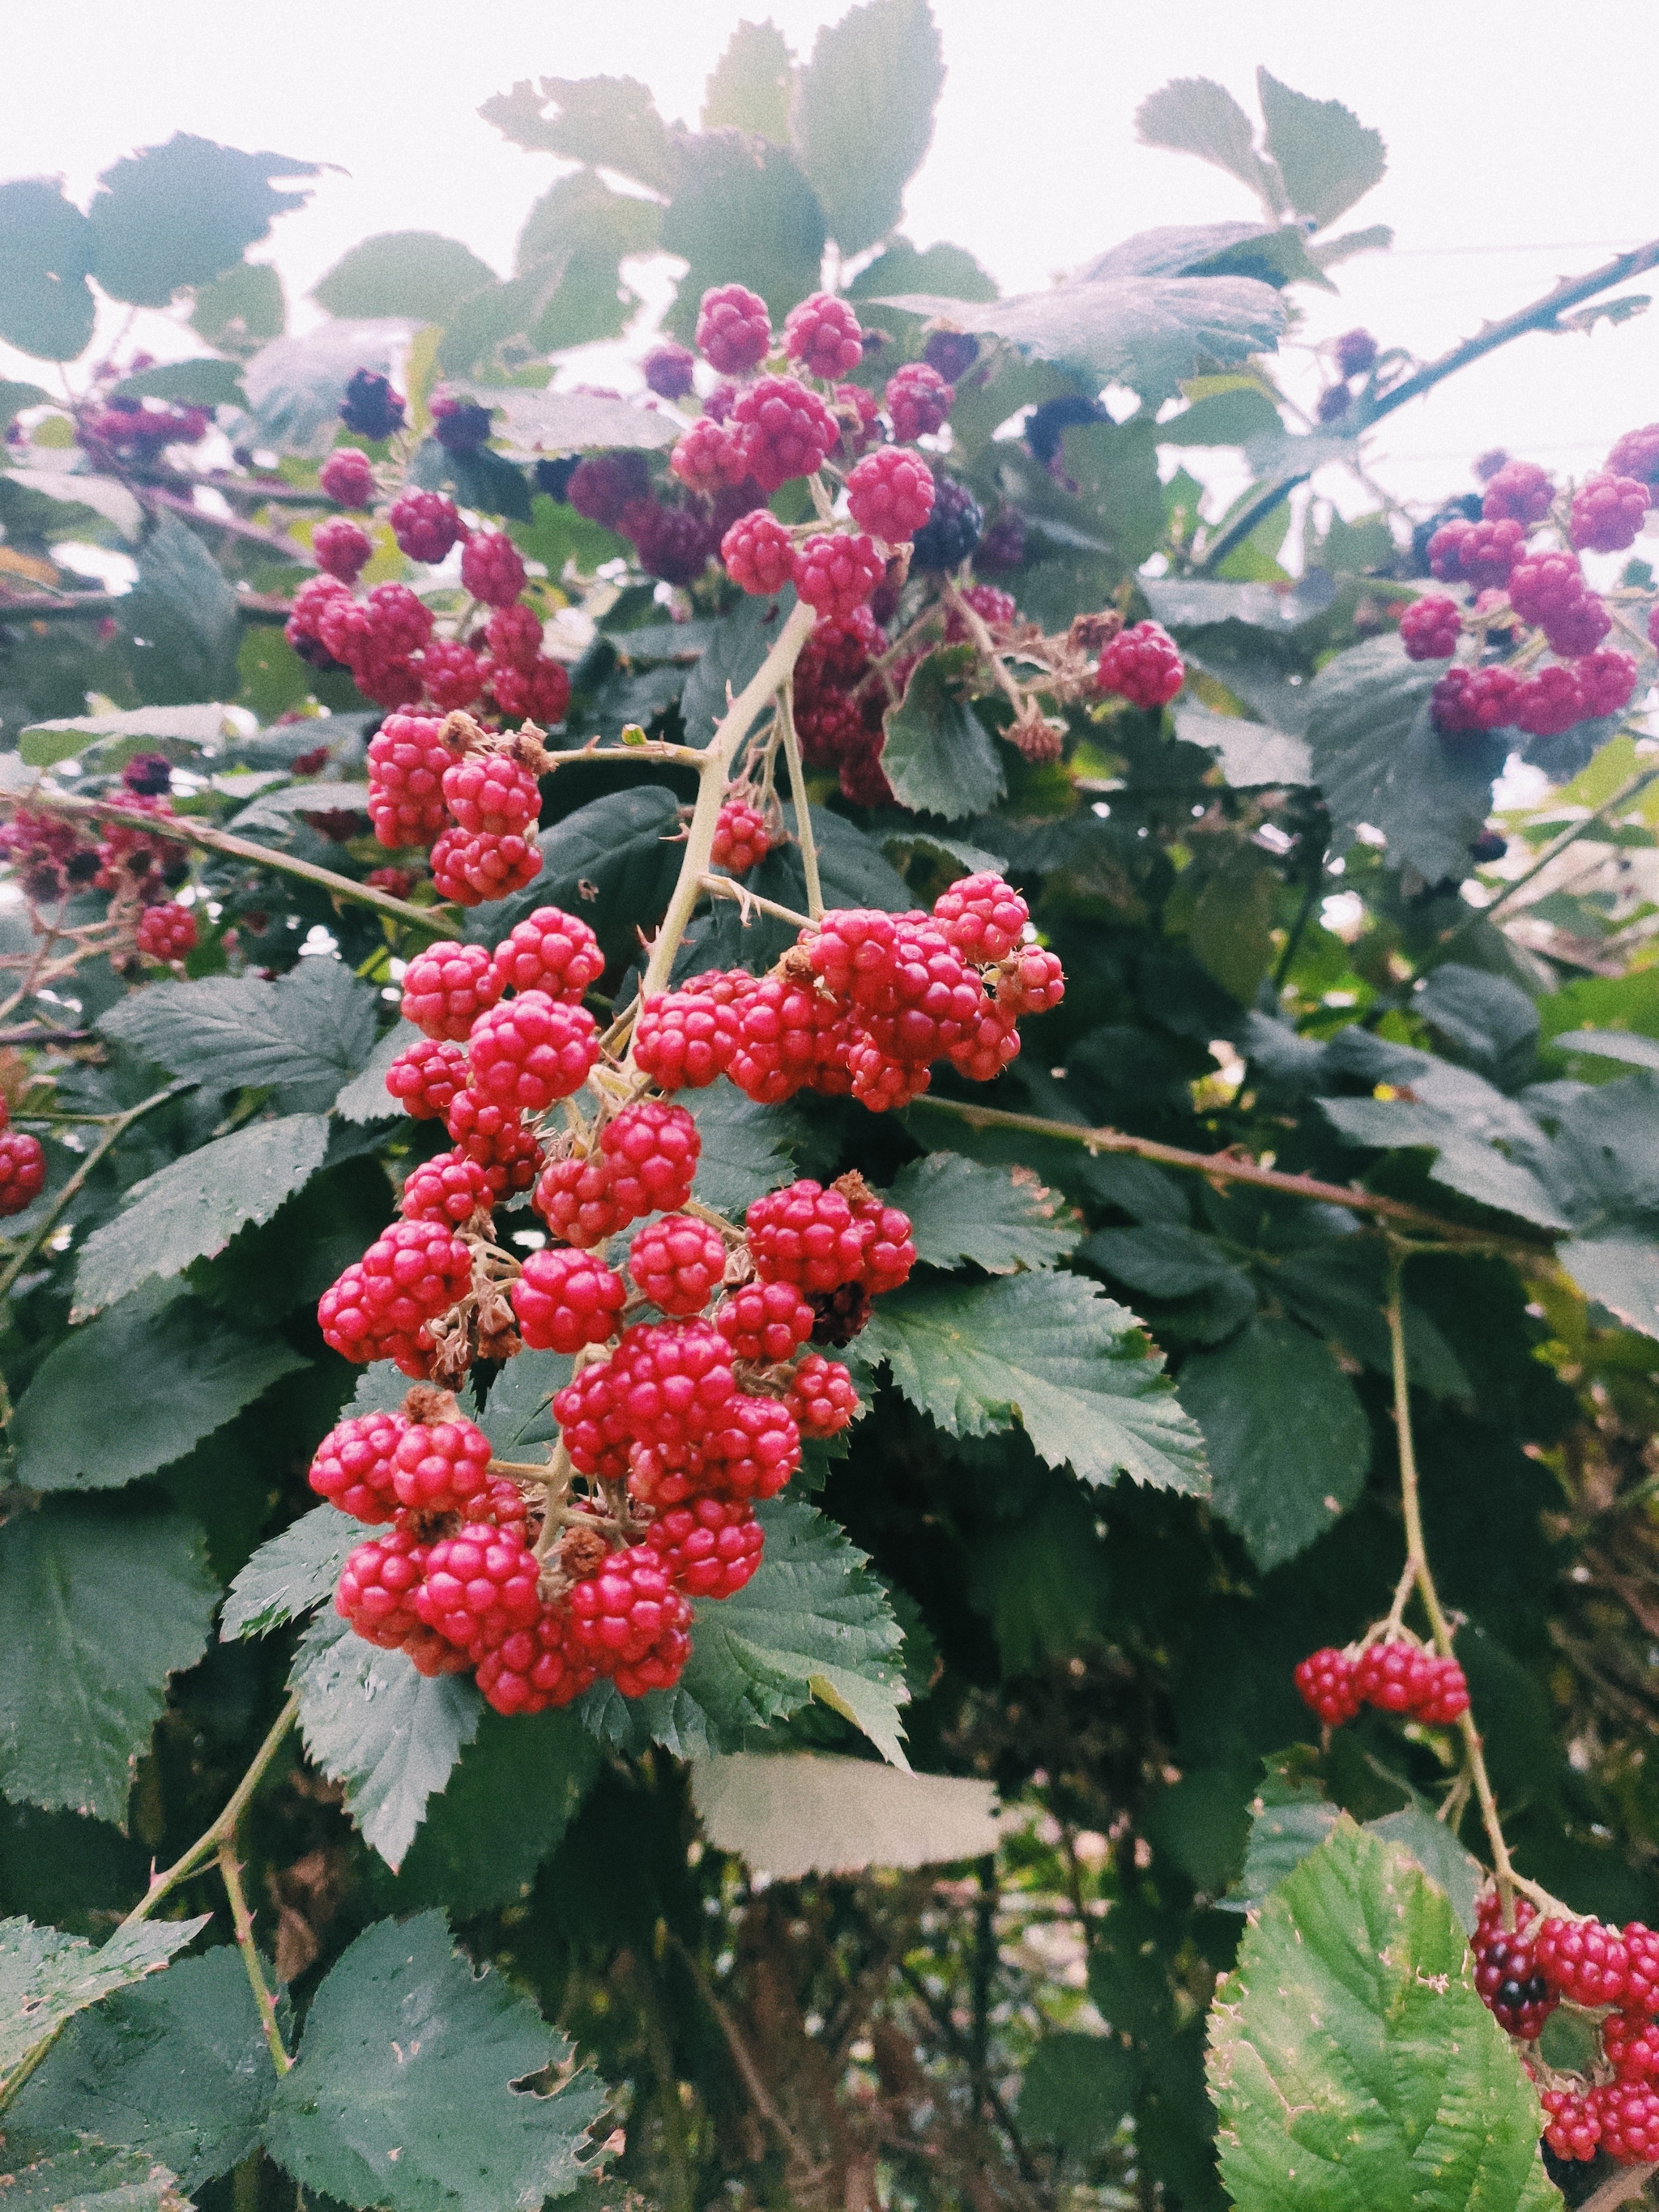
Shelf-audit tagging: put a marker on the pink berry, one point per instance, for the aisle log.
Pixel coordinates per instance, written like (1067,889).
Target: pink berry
(1629,2114)
(1585,1960)
(426,1077)
(426,525)
(453,674)
(480,1585)
(685,1038)
(1326,1681)
(631,1622)
(1429,628)
(413,1272)
(742,839)
(565,1299)
(1467,700)
(823,334)
(1637,454)
(983,917)
(786,429)
(734,329)
(1542,586)
(447,986)
(448,1187)
(441,1467)
(677,1262)
(709,1546)
(1143,666)
(1606,681)
(651,1149)
(1607,513)
(347,477)
(821,1396)
(536,1667)
(758,554)
(709,457)
(1550,702)
(167,932)
(766,1322)
(1476,553)
(1573,2122)
(352,1466)
(514,635)
(407,761)
(550,951)
(340,548)
(836,573)
(890,494)
(539,694)
(528,1050)
(469,867)
(491,793)
(496,1139)
(1517,492)
(1031,982)
(492,568)
(918,401)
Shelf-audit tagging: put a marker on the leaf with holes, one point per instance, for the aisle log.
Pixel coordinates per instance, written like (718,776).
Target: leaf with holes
(938,756)
(998,1219)
(47,1977)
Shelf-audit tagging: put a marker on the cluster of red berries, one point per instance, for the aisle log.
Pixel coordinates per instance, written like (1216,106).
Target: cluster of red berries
(862,1004)
(22,1165)
(1393,1676)
(1527,596)
(1523,1971)
(743,837)
(167,932)
(469,794)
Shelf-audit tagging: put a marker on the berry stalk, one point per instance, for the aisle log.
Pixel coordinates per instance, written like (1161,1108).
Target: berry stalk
(804,837)
(241,1920)
(713,768)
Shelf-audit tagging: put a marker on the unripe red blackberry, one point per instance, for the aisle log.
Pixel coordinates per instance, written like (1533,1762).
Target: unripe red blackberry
(1143,666)
(1628,2116)
(666,1384)
(918,401)
(377,1310)
(1506,1975)
(426,525)
(1545,585)
(766,1322)
(1468,700)
(407,759)
(677,1262)
(304,627)
(347,477)
(652,1150)
(1607,512)
(425,1077)
(669,369)
(492,568)
(166,932)
(982,916)
(1607,681)
(491,793)
(670,542)
(1429,628)
(602,486)
(878,1082)
(1518,491)
(1325,1679)
(1031,982)
(550,951)
(988,1046)
(1584,1960)
(742,838)
(950,534)
(1549,702)
(514,633)
(1630,2043)
(821,1397)
(447,986)
(539,694)
(528,1050)
(710,1546)
(758,553)
(1573,2122)
(441,1467)
(352,1466)
(480,1585)
(497,1139)
(890,494)
(1402,1678)
(340,548)
(565,1299)
(685,1039)
(536,1667)
(378,1587)
(753,1447)
(1476,553)
(451,675)
(734,329)
(780,1039)
(448,1187)
(469,867)
(822,333)
(460,426)
(805,1235)
(371,409)
(1577,628)
(786,429)
(22,1170)
(1637,454)
(709,457)
(1642,1954)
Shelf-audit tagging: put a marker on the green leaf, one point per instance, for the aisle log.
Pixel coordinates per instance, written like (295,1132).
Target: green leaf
(15,397)
(98,1607)
(1353,2067)
(241,308)
(1049,1351)
(1165,1259)
(181,618)
(514,1790)
(1076,2090)
(1621,1273)
(1288,1441)
(1377,759)
(621,848)
(70,736)
(940,268)
(752,85)
(1151,333)
(1223,418)
(517,1414)
(1184,602)
(739,645)
(1325,156)
(939,757)
(742,213)
(197,383)
(60,2173)
(403,2094)
(47,1977)
(304,1035)
(999,1218)
(1487,1020)
(1464,1160)
(182,214)
(1437,1851)
(45,249)
(292,1574)
(192,1209)
(177,2068)
(1611,1044)
(185,1371)
(567,422)
(1195,115)
(609,121)
(391,1735)
(1289,1818)
(366,1097)
(813,1623)
(794,1812)
(415,273)
(864,114)
(746,1149)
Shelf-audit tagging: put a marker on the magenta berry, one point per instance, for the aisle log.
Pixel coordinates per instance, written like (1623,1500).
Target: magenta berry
(539,694)
(685,1039)
(983,917)
(1429,628)
(742,839)
(758,553)
(1143,666)
(1637,454)
(918,401)
(1479,554)
(536,1667)
(352,1466)
(836,573)
(492,568)
(469,867)
(786,429)
(514,635)
(677,1262)
(1585,1960)
(766,1322)
(340,548)
(1543,586)
(528,1050)
(1628,2115)
(631,1622)
(821,1396)
(347,477)
(709,1546)
(550,951)
(167,932)
(1467,700)
(1573,2122)
(447,1188)
(407,761)
(414,1272)
(494,1137)
(734,329)
(425,1077)
(378,1588)
(441,1467)
(564,1299)
(1607,513)
(1517,492)
(822,335)
(890,494)
(447,986)
(709,457)
(1031,982)
(1326,1681)
(491,793)
(669,369)
(453,675)
(479,1586)
(1550,702)
(426,525)
(650,1150)
(753,1447)
(1630,2043)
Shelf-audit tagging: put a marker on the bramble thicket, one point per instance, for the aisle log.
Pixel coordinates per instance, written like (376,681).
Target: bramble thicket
(831,1276)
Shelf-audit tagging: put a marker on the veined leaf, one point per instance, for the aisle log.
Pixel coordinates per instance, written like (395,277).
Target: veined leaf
(1000,1219)
(798,1813)
(864,114)
(940,758)
(293,1574)
(47,1977)
(304,1035)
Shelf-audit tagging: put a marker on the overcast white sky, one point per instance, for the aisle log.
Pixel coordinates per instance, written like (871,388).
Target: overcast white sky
(1521,139)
